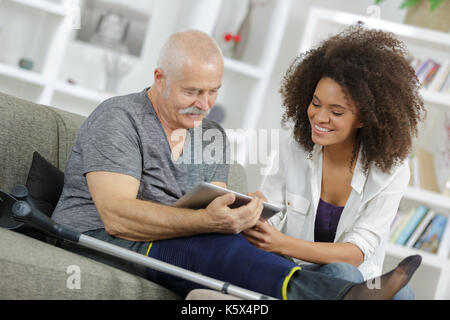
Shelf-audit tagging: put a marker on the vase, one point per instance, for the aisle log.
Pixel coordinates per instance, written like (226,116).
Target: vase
(420,15)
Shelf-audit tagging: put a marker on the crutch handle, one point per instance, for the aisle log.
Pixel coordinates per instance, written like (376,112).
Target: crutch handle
(24,212)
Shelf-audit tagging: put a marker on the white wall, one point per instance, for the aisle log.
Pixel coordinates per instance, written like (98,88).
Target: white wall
(272,111)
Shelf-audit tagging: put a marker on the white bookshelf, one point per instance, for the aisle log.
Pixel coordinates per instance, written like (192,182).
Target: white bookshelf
(59,56)
(432,280)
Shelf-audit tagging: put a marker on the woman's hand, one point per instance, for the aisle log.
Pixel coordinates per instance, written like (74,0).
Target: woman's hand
(265,236)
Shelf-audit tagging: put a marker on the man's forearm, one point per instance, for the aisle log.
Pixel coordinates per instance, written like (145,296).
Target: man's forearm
(140,220)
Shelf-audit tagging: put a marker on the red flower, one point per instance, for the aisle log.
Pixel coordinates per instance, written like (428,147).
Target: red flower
(237,38)
(228,37)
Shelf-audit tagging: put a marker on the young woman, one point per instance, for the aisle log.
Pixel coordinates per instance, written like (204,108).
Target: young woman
(354,107)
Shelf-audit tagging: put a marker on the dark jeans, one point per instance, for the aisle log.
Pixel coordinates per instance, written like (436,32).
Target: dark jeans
(304,284)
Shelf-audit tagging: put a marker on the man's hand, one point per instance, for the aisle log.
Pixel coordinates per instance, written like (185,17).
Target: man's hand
(225,220)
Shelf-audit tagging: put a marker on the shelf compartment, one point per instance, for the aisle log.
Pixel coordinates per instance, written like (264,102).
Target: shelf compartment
(81,56)
(264,27)
(36,29)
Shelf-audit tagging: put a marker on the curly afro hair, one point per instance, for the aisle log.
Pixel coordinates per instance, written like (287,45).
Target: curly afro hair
(372,68)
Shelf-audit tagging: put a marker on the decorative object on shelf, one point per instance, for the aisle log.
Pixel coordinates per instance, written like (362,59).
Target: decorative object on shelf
(120,30)
(93,15)
(231,40)
(431,14)
(110,33)
(217,114)
(235,19)
(26,63)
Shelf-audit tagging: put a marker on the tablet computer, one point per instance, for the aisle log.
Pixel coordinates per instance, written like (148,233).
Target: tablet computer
(204,193)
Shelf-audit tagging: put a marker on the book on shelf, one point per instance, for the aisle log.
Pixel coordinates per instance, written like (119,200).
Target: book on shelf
(425,70)
(401,220)
(432,74)
(430,239)
(420,228)
(442,75)
(411,225)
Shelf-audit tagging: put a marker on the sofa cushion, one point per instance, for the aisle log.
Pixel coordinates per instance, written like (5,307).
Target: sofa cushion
(44,183)
(26,127)
(36,270)
(68,125)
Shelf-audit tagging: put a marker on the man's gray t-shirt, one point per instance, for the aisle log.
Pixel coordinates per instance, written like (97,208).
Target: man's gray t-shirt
(124,135)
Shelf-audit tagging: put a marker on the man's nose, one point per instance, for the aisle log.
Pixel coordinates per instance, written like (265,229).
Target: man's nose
(202,102)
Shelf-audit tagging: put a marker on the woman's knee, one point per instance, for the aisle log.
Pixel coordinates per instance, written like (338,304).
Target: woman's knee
(343,271)
(406,293)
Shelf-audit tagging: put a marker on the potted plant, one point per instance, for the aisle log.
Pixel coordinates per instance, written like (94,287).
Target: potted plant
(431,14)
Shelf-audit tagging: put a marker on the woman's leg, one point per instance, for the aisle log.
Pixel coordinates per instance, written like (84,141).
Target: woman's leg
(338,270)
(406,293)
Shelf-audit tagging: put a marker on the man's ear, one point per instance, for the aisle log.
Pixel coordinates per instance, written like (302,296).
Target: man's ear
(159,80)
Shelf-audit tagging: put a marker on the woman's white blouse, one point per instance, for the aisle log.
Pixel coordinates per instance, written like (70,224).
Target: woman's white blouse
(367,216)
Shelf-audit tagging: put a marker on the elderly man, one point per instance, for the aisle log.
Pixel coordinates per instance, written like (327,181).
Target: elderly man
(125,169)
(135,156)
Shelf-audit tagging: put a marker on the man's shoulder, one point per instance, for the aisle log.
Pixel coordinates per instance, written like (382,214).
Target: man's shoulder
(116,109)
(132,102)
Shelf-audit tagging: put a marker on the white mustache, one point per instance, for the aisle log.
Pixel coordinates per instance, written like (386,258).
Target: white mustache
(194,110)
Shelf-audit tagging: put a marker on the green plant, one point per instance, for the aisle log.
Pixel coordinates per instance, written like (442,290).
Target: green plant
(410,3)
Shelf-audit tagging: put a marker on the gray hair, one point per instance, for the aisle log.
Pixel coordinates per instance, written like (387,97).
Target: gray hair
(184,46)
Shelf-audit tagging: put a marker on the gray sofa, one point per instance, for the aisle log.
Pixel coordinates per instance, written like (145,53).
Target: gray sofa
(33,269)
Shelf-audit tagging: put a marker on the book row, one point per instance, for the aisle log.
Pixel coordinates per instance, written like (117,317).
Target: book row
(432,74)
(422,228)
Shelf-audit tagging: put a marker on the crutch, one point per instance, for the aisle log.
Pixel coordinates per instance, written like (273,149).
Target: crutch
(24,211)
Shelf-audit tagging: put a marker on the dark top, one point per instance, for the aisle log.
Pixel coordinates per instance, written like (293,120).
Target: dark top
(327,219)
